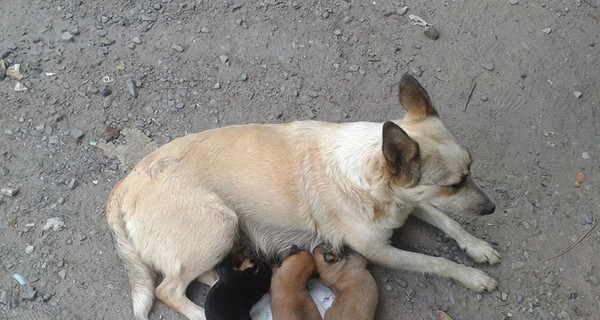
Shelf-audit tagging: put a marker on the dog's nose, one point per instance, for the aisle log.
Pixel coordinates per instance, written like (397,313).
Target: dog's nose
(489,208)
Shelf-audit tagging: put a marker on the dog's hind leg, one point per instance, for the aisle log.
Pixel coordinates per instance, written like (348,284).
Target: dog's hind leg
(208,278)
(479,250)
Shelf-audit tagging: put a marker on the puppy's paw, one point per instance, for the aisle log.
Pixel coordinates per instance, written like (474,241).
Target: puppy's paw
(479,281)
(482,252)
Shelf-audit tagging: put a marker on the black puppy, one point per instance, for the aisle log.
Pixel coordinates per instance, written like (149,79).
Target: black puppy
(238,289)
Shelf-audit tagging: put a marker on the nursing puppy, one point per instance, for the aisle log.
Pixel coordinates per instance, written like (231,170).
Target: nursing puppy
(238,289)
(179,210)
(355,290)
(290,299)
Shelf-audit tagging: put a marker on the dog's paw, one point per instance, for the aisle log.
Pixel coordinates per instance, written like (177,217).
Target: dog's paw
(482,252)
(479,281)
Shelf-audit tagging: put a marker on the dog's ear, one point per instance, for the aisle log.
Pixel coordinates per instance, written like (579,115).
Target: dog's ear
(415,99)
(401,153)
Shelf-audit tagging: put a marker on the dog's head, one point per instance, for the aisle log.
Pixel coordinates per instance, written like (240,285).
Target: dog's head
(422,156)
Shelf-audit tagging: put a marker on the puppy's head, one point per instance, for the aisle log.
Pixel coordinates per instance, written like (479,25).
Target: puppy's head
(334,265)
(297,263)
(424,158)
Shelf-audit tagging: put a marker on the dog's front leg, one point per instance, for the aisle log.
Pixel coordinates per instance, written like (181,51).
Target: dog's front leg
(479,250)
(388,256)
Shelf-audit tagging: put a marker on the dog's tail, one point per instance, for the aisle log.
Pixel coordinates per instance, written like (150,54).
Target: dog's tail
(141,277)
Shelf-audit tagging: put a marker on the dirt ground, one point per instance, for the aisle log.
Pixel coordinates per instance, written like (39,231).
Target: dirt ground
(528,70)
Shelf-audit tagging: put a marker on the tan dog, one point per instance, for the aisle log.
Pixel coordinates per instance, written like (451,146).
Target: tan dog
(356,294)
(290,299)
(180,209)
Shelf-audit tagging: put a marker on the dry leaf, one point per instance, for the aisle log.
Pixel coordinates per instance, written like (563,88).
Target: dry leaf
(579,179)
(444,316)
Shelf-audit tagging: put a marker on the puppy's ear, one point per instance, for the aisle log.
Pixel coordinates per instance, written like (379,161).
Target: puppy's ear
(415,99)
(401,153)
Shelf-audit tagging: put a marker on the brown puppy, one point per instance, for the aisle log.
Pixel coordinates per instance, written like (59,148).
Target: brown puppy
(355,289)
(290,299)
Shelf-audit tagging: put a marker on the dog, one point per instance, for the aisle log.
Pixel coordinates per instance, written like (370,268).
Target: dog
(238,288)
(290,299)
(355,290)
(179,211)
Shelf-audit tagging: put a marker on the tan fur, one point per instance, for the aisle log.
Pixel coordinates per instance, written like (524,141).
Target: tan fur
(355,290)
(179,211)
(290,299)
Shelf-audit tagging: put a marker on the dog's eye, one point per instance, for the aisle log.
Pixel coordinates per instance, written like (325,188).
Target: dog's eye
(459,184)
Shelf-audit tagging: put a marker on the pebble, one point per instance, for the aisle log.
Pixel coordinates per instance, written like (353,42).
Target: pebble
(131,88)
(514,2)
(488,66)
(5,53)
(62,274)
(29,249)
(478,297)
(204,30)
(67,37)
(102,33)
(594,280)
(504,296)
(577,94)
(431,33)
(137,40)
(217,86)
(92,89)
(76,134)
(29,294)
(180,105)
(547,30)
(224,59)
(75,31)
(183,93)
(354,68)
(402,11)
(73,184)
(9,192)
(586,155)
(56,224)
(337,32)
(177,47)
(313,94)
(243,77)
(104,91)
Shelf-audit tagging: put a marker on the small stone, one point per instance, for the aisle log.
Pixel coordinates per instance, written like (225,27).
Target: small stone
(547,30)
(504,296)
(76,134)
(577,94)
(478,297)
(66,37)
(29,294)
(313,94)
(92,89)
(594,280)
(177,47)
(402,11)
(550,279)
(73,184)
(56,224)
(224,59)
(519,298)
(29,249)
(5,53)
(157,6)
(75,31)
(514,2)
(586,155)
(217,86)
(104,91)
(488,66)
(204,30)
(137,40)
(102,33)
(243,77)
(131,88)
(60,200)
(337,32)
(9,192)
(180,105)
(354,68)
(62,274)
(431,33)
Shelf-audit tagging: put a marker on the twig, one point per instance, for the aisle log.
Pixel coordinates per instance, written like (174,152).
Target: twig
(470,94)
(574,244)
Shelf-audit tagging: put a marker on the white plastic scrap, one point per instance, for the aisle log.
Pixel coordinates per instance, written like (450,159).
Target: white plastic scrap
(20,87)
(419,21)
